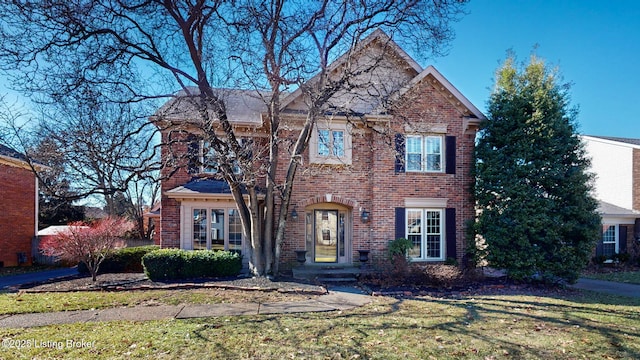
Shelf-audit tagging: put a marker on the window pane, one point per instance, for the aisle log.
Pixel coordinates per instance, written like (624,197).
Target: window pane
(414,144)
(609,235)
(338,143)
(209,159)
(414,162)
(433,153)
(323,142)
(433,162)
(433,145)
(235,231)
(433,235)
(199,229)
(414,232)
(414,219)
(415,251)
(217,229)
(433,246)
(414,153)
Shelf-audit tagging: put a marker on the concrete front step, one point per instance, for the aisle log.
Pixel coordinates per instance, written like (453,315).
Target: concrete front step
(327,274)
(344,280)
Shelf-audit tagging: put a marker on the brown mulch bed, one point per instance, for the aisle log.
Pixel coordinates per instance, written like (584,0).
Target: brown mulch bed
(483,287)
(138,281)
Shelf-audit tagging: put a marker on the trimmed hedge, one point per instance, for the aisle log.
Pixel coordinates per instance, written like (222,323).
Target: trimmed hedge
(125,260)
(171,264)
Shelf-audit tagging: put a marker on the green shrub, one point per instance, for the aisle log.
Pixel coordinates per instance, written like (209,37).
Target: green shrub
(622,257)
(169,264)
(164,264)
(125,260)
(400,247)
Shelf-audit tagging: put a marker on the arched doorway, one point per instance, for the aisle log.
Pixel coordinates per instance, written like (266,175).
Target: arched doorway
(328,233)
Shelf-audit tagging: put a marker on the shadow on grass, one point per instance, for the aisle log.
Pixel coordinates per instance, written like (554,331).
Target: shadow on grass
(484,326)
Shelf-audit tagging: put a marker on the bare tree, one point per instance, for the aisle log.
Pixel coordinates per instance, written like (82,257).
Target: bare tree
(273,46)
(88,243)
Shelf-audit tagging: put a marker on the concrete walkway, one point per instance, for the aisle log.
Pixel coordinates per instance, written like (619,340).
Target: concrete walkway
(339,298)
(609,287)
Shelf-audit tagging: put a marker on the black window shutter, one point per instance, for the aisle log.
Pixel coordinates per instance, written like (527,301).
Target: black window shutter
(599,250)
(450,154)
(193,154)
(400,223)
(622,239)
(450,232)
(400,151)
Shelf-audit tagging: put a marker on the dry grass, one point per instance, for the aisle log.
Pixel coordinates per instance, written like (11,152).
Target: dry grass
(583,325)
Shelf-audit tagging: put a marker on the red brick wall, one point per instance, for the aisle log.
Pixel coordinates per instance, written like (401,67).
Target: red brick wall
(174,157)
(369,182)
(17,213)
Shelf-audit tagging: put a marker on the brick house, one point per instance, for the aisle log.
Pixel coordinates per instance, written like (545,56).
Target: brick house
(18,208)
(616,165)
(357,188)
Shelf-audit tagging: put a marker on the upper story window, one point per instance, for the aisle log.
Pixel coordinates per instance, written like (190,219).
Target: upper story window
(330,144)
(210,160)
(424,153)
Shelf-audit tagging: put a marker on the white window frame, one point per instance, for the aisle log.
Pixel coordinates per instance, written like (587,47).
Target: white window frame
(424,153)
(187,244)
(423,232)
(616,237)
(331,158)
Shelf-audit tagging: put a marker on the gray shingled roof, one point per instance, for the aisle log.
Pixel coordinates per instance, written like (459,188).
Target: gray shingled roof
(243,106)
(618,139)
(203,186)
(9,152)
(606,208)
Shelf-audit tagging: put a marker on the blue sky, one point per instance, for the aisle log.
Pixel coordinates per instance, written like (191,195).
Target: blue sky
(595,44)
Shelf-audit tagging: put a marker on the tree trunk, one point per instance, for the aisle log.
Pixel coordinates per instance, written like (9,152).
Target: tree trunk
(301,144)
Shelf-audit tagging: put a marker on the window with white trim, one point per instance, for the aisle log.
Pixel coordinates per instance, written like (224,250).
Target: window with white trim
(610,240)
(424,228)
(424,153)
(330,144)
(216,229)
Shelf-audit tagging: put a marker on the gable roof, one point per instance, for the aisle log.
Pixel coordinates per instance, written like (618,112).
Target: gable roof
(462,100)
(376,36)
(246,107)
(609,209)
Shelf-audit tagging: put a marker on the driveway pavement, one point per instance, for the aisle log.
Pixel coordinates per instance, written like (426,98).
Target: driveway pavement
(609,287)
(33,277)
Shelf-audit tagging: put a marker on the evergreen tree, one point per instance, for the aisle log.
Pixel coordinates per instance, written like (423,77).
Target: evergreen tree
(533,187)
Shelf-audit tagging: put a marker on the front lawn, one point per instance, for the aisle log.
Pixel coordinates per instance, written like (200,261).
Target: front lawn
(630,277)
(575,325)
(20,303)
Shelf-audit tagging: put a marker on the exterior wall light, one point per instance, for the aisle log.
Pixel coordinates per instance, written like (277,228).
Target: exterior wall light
(294,214)
(364,216)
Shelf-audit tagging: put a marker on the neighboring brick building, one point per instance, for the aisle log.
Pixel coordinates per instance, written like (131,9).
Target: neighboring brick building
(357,189)
(616,165)
(18,208)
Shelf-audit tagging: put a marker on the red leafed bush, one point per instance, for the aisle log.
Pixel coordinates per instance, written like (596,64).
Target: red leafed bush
(88,243)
